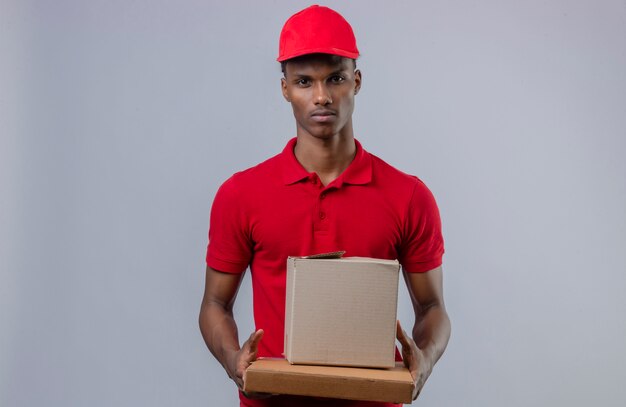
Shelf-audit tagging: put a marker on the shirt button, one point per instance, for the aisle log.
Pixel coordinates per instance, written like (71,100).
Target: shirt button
(322,215)
(322,196)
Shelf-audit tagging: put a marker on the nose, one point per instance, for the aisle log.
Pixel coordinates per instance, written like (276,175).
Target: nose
(322,95)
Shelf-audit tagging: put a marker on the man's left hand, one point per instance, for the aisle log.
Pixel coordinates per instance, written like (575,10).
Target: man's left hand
(414,359)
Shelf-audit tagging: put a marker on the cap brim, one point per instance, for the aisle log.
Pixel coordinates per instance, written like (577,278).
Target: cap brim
(330,51)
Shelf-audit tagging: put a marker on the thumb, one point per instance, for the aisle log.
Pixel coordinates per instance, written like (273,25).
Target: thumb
(254,340)
(401,335)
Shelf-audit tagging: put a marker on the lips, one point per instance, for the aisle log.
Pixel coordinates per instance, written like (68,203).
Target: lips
(323,115)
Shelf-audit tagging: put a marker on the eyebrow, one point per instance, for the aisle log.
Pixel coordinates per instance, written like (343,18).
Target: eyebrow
(339,71)
(335,72)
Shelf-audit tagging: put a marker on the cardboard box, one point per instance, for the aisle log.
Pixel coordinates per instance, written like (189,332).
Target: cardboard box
(341,311)
(277,376)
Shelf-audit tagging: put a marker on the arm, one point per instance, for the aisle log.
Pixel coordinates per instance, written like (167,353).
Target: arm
(218,326)
(431,330)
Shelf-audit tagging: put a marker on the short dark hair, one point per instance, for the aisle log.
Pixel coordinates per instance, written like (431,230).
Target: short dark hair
(337,58)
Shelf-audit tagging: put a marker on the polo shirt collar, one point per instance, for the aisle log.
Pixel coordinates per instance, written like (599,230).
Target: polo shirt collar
(359,172)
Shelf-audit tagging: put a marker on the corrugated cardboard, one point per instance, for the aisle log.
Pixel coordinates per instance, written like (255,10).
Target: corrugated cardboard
(341,312)
(277,376)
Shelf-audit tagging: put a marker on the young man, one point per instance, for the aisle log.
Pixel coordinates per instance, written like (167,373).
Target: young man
(323,193)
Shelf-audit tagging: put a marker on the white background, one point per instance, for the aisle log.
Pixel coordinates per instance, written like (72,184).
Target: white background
(120,119)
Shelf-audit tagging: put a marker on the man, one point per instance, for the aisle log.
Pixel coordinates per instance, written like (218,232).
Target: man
(323,193)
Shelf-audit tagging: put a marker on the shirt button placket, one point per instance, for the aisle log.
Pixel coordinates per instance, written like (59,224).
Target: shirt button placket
(322,213)
(319,216)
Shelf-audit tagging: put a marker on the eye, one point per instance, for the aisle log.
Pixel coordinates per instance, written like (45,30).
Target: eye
(303,82)
(337,79)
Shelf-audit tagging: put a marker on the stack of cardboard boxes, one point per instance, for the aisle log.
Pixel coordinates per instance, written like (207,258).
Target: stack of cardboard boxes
(340,328)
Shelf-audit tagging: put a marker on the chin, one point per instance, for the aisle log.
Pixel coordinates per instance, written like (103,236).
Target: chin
(325,136)
(324,133)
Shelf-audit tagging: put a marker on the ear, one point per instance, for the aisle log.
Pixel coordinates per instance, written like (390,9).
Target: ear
(357,81)
(283,88)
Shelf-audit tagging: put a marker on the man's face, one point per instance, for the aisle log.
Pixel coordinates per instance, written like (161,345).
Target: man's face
(321,91)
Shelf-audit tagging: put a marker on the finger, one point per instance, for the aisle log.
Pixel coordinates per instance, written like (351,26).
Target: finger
(416,393)
(239,382)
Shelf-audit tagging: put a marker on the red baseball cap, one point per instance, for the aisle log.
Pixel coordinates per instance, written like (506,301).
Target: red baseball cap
(317,29)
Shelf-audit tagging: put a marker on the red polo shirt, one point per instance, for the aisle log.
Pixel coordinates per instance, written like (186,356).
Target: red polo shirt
(277,209)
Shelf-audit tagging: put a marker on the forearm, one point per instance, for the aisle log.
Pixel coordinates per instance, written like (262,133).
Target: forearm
(219,331)
(431,332)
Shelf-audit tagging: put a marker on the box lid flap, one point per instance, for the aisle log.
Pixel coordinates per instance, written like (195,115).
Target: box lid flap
(331,255)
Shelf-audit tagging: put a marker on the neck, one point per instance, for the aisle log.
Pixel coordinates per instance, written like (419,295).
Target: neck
(328,158)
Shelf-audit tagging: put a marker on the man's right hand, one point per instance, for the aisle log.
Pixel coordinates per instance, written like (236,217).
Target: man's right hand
(239,360)
(219,329)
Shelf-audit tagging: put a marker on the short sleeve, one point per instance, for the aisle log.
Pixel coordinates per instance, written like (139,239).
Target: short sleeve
(422,246)
(230,248)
